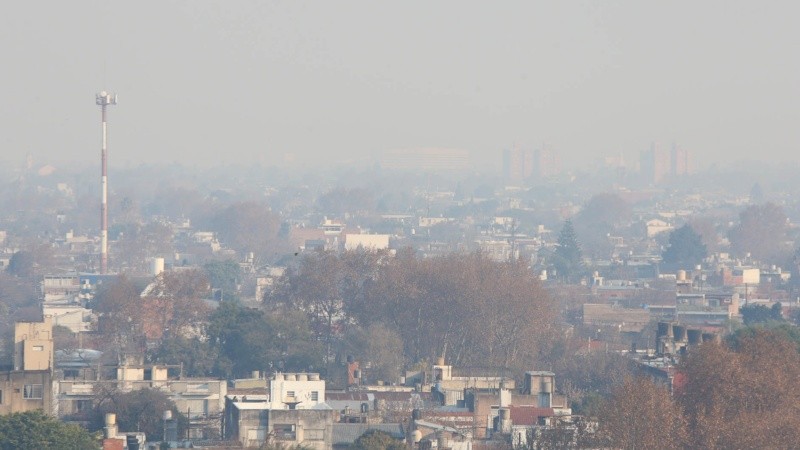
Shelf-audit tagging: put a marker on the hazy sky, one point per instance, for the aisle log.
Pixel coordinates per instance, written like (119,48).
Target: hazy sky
(212,82)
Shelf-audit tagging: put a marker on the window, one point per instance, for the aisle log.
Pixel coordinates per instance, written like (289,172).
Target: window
(544,400)
(32,391)
(83,405)
(38,348)
(314,396)
(290,393)
(284,432)
(1,397)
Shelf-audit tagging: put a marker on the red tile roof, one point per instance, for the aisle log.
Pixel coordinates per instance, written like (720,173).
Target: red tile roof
(529,415)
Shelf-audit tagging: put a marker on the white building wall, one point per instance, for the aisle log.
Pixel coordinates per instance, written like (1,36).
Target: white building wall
(367,241)
(306,390)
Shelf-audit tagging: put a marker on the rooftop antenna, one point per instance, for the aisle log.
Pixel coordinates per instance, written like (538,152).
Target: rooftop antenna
(104,99)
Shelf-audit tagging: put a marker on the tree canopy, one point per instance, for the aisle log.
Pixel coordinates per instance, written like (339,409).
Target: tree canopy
(223,275)
(140,410)
(466,307)
(249,339)
(742,397)
(600,216)
(739,394)
(761,231)
(377,440)
(686,249)
(753,314)
(34,430)
(642,414)
(250,226)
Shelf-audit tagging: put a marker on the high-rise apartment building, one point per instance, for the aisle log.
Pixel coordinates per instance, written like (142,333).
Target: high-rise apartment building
(658,164)
(545,162)
(520,165)
(517,164)
(681,162)
(655,164)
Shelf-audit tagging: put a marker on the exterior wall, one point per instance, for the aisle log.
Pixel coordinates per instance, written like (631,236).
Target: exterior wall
(654,227)
(482,403)
(74,317)
(367,241)
(251,423)
(198,398)
(60,288)
(251,427)
(309,428)
(202,400)
(542,385)
(298,390)
(15,386)
(33,345)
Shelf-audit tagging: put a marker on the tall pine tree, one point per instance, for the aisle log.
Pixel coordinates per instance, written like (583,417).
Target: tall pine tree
(568,260)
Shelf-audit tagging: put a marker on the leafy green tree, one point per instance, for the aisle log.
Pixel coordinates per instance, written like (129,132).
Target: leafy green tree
(249,339)
(198,356)
(686,248)
(753,314)
(567,257)
(381,346)
(242,337)
(21,264)
(377,440)
(34,430)
(782,330)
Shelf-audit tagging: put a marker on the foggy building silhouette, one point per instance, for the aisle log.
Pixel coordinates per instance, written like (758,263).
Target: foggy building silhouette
(657,164)
(523,164)
(517,164)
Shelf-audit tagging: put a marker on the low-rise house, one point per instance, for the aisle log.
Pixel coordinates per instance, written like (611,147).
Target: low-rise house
(80,382)
(27,385)
(293,413)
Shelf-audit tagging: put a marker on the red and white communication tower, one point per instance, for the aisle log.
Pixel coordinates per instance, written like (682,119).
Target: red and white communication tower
(104,99)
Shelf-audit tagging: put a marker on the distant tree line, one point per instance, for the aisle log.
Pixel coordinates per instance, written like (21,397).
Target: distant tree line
(391,311)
